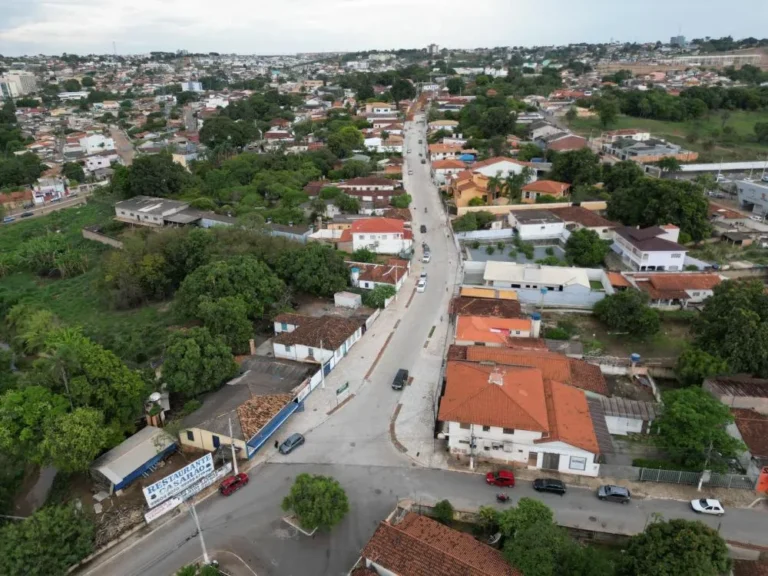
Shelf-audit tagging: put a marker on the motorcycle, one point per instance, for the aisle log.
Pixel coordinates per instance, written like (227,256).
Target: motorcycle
(503,498)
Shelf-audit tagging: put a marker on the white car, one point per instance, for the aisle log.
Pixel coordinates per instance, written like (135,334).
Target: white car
(422,285)
(426,258)
(756,218)
(423,276)
(409,150)
(410,172)
(707,506)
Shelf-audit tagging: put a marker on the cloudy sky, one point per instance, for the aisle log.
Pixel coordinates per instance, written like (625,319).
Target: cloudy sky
(289,26)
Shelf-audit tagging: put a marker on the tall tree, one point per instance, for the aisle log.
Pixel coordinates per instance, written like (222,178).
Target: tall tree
(628,312)
(576,167)
(345,141)
(623,174)
(155,174)
(24,414)
(319,502)
(227,317)
(72,441)
(607,110)
(455,85)
(402,89)
(585,249)
(315,269)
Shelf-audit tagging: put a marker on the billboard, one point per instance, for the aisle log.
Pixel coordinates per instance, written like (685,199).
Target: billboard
(174,483)
(187,493)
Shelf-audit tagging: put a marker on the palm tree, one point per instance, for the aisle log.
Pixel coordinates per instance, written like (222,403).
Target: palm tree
(61,355)
(513,184)
(494,187)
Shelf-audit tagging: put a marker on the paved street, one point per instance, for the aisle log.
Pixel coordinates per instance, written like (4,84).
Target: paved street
(49,207)
(249,524)
(123,146)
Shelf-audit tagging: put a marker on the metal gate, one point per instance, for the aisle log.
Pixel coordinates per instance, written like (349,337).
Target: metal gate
(551,461)
(692,478)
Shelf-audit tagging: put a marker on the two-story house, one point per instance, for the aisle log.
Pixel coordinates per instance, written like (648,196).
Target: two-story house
(323,340)
(650,249)
(512,414)
(380,235)
(442,170)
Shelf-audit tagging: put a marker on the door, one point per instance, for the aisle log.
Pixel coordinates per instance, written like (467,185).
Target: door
(551,461)
(533,459)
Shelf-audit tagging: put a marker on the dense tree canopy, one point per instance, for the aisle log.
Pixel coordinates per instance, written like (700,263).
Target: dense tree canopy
(227,317)
(585,249)
(315,269)
(73,171)
(623,174)
(576,167)
(151,175)
(319,502)
(223,130)
(345,141)
(628,312)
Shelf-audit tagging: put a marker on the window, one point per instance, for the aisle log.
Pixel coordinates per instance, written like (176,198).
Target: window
(464,426)
(463,441)
(577,463)
(216,441)
(190,436)
(283,326)
(287,348)
(486,428)
(509,430)
(311,352)
(694,293)
(677,255)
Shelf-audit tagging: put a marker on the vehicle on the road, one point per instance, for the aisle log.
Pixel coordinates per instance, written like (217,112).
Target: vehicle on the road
(409,150)
(401,379)
(423,161)
(500,478)
(425,209)
(423,275)
(764,178)
(27,214)
(549,485)
(419,140)
(8,219)
(54,200)
(293,442)
(410,172)
(421,286)
(708,506)
(423,229)
(501,497)
(426,258)
(614,493)
(756,218)
(232,484)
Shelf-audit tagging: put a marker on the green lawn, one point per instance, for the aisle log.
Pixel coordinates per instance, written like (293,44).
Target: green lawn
(135,335)
(745,147)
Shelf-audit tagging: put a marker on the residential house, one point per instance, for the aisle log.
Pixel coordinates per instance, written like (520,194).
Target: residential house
(513,414)
(647,151)
(367,276)
(475,306)
(675,291)
(502,167)
(444,152)
(536,225)
(494,332)
(751,427)
(466,186)
(379,108)
(408,544)
(447,125)
(368,183)
(148,211)
(624,416)
(539,130)
(101,161)
(650,249)
(380,235)
(578,217)
(739,391)
(442,170)
(324,340)
(533,190)
(631,133)
(393,144)
(94,143)
(562,142)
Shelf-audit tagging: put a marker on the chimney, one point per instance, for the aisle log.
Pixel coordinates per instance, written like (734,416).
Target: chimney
(252,346)
(496,377)
(536,324)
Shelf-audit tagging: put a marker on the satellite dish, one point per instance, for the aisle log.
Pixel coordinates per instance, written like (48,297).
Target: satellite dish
(155,397)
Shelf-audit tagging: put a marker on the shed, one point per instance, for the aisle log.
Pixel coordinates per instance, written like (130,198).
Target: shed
(134,457)
(347,300)
(624,416)
(738,238)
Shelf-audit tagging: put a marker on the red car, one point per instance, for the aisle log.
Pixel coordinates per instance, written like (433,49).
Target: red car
(232,484)
(501,478)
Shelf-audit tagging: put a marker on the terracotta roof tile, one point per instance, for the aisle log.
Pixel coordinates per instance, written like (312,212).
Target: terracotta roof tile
(378,225)
(450,163)
(749,568)
(569,417)
(420,546)
(485,307)
(617,280)
(255,412)
(550,187)
(490,329)
(753,428)
(332,331)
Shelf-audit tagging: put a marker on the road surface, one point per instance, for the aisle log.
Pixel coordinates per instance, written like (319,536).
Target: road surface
(123,146)
(48,207)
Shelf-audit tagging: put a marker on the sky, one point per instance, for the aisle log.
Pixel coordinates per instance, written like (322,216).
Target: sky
(291,26)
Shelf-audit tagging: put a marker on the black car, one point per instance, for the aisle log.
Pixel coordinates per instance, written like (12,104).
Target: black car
(423,161)
(423,229)
(401,379)
(293,441)
(549,485)
(614,493)
(27,214)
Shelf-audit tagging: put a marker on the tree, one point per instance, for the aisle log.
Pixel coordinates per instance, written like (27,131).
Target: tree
(678,547)
(607,110)
(365,91)
(401,201)
(669,164)
(628,312)
(455,85)
(443,512)
(242,276)
(30,327)
(71,85)
(348,204)
(73,171)
(227,317)
(72,441)
(345,141)
(733,325)
(527,513)
(535,549)
(364,255)
(576,167)
(315,269)
(378,296)
(196,362)
(220,130)
(654,201)
(23,417)
(692,426)
(155,173)
(402,89)
(88,82)
(694,366)
(494,186)
(48,542)
(571,115)
(585,249)
(623,174)
(513,184)
(318,502)
(761,132)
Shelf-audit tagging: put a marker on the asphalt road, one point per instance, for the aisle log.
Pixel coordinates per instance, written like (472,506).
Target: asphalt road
(49,207)
(249,523)
(123,146)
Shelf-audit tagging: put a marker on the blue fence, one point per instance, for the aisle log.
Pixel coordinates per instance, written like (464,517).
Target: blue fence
(258,440)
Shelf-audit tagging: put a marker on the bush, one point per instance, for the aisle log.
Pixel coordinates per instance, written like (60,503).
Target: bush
(556,334)
(443,512)
(550,251)
(378,296)
(500,245)
(490,250)
(475,244)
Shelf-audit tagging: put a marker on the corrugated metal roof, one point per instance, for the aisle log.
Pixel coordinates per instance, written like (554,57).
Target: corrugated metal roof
(131,454)
(625,408)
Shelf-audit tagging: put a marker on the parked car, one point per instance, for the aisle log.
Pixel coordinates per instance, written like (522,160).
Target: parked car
(59,199)
(293,442)
(410,172)
(549,485)
(423,275)
(426,258)
(708,506)
(409,150)
(614,493)
(8,219)
(27,214)
(232,484)
(756,218)
(423,229)
(500,478)
(401,379)
(421,286)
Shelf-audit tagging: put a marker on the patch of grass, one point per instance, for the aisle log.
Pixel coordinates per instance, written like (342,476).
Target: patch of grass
(596,285)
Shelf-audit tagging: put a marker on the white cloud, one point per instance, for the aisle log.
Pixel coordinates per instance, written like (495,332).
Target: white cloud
(287,26)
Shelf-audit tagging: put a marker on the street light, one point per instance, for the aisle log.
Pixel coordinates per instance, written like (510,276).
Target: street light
(193,512)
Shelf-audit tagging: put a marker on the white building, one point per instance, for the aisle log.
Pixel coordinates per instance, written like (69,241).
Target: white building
(368,276)
(536,225)
(650,249)
(503,167)
(512,414)
(95,143)
(16,83)
(191,86)
(377,145)
(67,96)
(379,108)
(100,161)
(324,340)
(442,170)
(380,235)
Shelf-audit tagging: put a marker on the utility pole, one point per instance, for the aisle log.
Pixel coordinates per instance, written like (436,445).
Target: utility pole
(193,512)
(232,444)
(706,463)
(471,447)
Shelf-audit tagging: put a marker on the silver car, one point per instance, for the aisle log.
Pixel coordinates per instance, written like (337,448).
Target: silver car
(293,441)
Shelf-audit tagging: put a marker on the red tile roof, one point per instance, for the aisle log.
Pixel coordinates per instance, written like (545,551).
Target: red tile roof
(420,546)
(753,428)
(569,418)
(450,163)
(331,331)
(673,286)
(378,225)
(490,329)
(617,280)
(550,187)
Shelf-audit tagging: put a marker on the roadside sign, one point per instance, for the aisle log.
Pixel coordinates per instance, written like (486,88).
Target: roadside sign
(341,389)
(174,483)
